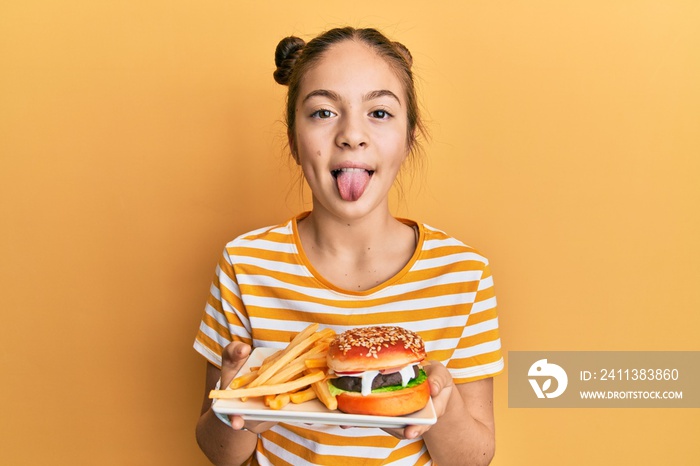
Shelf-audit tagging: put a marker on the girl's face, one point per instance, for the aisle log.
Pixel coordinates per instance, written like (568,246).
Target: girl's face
(351,130)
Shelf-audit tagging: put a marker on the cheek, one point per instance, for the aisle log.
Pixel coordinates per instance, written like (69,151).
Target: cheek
(395,148)
(311,146)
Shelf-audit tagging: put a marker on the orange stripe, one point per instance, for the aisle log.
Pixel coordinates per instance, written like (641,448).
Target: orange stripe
(309,455)
(292,295)
(405,451)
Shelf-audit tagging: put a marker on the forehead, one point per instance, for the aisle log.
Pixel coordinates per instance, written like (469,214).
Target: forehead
(351,67)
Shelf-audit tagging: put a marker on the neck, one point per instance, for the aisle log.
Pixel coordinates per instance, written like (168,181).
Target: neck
(342,235)
(356,254)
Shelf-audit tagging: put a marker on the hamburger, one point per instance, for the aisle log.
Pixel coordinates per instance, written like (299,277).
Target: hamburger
(377,371)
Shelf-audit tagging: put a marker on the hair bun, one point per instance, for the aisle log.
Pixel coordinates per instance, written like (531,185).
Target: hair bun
(405,53)
(286,55)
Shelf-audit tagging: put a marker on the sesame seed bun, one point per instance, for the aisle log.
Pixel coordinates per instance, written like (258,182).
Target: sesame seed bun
(374,348)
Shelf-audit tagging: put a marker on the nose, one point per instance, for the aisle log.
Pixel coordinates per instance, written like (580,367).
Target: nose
(352,133)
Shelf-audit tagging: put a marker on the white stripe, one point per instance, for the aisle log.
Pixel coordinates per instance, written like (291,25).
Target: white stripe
(485,283)
(451,343)
(485,305)
(327,294)
(397,306)
(213,334)
(481,348)
(428,227)
(425,325)
(250,234)
(484,369)
(441,243)
(409,460)
(350,451)
(270,281)
(481,327)
(267,245)
(444,279)
(447,260)
(233,328)
(228,283)
(278,451)
(221,318)
(441,345)
(285,229)
(207,353)
(215,292)
(273,266)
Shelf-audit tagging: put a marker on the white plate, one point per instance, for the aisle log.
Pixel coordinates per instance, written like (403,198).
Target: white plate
(312,412)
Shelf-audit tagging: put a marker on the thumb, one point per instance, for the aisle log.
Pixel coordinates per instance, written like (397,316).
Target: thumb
(234,356)
(438,378)
(435,388)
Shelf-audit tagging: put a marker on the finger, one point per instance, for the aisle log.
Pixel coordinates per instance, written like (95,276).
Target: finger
(237,422)
(258,427)
(234,356)
(435,388)
(398,433)
(411,432)
(235,352)
(438,378)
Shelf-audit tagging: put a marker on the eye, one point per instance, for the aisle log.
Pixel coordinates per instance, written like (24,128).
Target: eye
(380,114)
(322,114)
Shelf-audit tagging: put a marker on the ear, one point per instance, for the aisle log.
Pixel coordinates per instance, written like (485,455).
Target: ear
(292,146)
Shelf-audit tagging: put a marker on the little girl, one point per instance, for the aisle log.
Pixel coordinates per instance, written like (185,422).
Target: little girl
(353,120)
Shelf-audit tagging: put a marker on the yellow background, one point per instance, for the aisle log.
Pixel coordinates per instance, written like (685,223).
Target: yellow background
(137,137)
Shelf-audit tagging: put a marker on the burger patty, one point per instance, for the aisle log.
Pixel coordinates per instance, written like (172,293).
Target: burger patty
(354,384)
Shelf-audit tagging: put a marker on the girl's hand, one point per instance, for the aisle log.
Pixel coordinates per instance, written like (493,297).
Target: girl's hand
(234,356)
(441,388)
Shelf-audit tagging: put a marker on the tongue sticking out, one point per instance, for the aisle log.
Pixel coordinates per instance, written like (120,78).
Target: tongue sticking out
(352,183)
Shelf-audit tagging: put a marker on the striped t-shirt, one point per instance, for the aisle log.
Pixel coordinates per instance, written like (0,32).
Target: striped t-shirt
(265,290)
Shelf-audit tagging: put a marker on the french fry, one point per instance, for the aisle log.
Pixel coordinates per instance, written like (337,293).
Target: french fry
(295,374)
(301,336)
(280,401)
(288,373)
(324,393)
(316,363)
(266,373)
(267,362)
(297,366)
(243,380)
(268,389)
(303,396)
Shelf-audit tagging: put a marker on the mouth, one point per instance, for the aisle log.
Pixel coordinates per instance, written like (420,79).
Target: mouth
(338,171)
(351,181)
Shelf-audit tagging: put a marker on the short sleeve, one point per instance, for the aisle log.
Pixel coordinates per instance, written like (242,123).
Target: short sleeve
(478,353)
(224,319)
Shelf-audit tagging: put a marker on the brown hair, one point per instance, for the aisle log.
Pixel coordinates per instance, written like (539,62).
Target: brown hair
(294,58)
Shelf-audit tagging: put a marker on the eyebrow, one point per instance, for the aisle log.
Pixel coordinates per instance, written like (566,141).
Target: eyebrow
(322,93)
(381,93)
(336,97)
